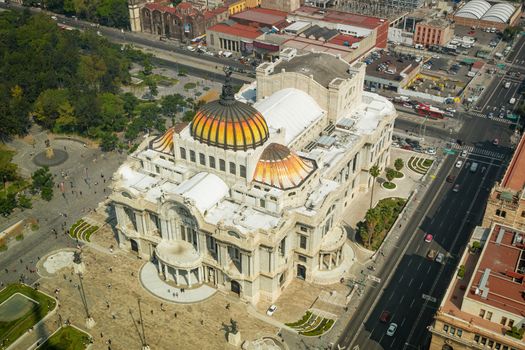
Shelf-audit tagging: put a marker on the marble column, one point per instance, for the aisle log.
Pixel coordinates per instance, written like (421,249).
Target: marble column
(188,274)
(330,261)
(177,277)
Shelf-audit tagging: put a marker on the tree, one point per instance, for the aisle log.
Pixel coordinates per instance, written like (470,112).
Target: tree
(152,85)
(9,172)
(399,164)
(130,103)
(390,174)
(47,193)
(111,111)
(147,66)
(510,33)
(47,106)
(43,182)
(374,172)
(24,202)
(108,141)
(7,204)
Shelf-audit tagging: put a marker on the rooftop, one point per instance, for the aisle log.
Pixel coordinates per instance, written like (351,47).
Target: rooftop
(335,16)
(515,175)
(435,22)
(236,29)
(264,16)
(394,69)
(490,278)
(324,68)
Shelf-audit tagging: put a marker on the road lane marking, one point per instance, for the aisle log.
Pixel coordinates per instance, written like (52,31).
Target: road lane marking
(401,300)
(390,297)
(421,285)
(409,262)
(403,322)
(393,341)
(419,266)
(410,283)
(429,267)
(412,303)
(401,278)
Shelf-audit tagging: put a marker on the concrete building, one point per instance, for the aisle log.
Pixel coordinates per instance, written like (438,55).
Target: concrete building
(259,18)
(484,306)
(233,37)
(482,14)
(251,194)
(345,22)
(391,73)
(506,203)
(434,31)
(281,5)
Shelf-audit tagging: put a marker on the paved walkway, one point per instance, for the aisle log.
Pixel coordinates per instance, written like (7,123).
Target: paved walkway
(151,281)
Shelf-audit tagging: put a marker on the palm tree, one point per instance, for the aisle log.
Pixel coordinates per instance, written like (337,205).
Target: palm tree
(374,172)
(390,175)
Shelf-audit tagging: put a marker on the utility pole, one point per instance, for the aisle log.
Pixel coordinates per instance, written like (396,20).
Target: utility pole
(145,345)
(90,322)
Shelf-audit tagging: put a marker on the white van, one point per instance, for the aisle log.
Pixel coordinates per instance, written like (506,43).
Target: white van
(507,84)
(474,167)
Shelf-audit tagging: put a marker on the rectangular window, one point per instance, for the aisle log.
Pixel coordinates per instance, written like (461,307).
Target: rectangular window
(459,333)
(212,162)
(202,158)
(183,153)
(262,203)
(482,313)
(498,346)
(210,243)
(452,330)
(157,169)
(222,165)
(489,315)
(234,253)
(445,328)
(282,246)
(491,343)
(302,258)
(242,171)
(183,232)
(304,229)
(302,241)
(503,321)
(232,168)
(483,341)
(511,323)
(192,156)
(476,338)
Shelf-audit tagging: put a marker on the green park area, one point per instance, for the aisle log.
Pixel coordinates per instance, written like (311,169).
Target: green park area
(378,221)
(21,307)
(66,338)
(311,325)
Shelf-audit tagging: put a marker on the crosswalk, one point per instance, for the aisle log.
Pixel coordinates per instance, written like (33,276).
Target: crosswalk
(479,151)
(496,119)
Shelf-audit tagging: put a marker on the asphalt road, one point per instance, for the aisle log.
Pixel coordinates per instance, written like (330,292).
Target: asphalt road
(496,98)
(406,274)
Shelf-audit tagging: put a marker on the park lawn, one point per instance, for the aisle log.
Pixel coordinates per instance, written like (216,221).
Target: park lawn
(66,338)
(12,330)
(5,155)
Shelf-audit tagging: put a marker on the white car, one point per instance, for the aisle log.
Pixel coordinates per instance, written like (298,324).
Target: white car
(391,329)
(459,164)
(440,258)
(271,310)
(431,151)
(464,153)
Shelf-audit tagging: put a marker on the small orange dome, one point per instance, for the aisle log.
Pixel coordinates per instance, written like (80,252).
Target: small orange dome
(228,123)
(280,167)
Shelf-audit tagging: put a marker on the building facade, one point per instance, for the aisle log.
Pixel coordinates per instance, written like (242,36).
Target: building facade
(433,32)
(251,193)
(506,203)
(184,22)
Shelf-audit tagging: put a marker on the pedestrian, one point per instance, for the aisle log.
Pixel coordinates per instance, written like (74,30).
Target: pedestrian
(152,311)
(101,335)
(175,314)
(80,192)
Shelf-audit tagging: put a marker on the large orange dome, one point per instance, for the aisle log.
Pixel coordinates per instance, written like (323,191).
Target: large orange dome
(228,123)
(280,167)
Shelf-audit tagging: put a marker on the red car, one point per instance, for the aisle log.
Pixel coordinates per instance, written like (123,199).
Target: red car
(385,316)
(428,238)
(472,32)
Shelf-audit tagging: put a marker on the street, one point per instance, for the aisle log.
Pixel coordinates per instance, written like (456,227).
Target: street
(406,274)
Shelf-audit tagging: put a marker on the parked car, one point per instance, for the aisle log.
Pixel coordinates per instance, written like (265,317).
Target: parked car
(428,238)
(459,164)
(451,178)
(271,310)
(495,142)
(440,258)
(456,188)
(385,316)
(391,329)
(431,151)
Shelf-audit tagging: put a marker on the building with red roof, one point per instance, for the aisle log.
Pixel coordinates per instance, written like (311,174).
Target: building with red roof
(485,306)
(184,22)
(233,37)
(345,22)
(506,203)
(258,17)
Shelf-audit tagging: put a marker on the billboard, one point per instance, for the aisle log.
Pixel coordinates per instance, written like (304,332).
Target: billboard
(187,27)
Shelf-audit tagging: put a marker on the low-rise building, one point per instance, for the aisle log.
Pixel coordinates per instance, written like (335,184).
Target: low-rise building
(436,31)
(484,305)
(506,203)
(260,18)
(345,22)
(234,37)
(483,14)
(391,73)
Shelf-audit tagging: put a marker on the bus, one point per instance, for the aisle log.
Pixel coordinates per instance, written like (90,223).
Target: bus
(430,111)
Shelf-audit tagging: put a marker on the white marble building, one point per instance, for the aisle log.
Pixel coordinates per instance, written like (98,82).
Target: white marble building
(250,194)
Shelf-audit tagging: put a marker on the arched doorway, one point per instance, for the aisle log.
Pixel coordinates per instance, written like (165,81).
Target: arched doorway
(236,287)
(447,347)
(301,272)
(134,245)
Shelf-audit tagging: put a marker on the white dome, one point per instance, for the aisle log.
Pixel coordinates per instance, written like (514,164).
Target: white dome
(474,9)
